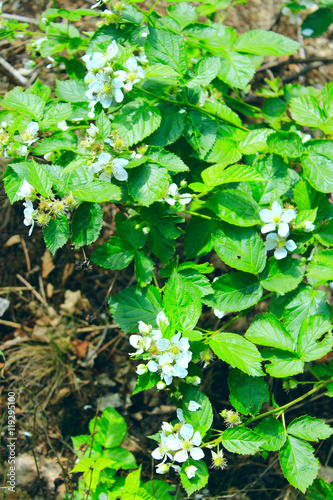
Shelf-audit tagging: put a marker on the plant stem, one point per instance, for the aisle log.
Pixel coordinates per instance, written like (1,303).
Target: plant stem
(198,215)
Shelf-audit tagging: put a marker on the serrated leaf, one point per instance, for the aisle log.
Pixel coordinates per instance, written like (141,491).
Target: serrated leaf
(218,174)
(146,381)
(201,282)
(206,70)
(49,145)
(136,120)
(182,302)
(255,141)
(168,160)
(236,291)
(35,174)
(56,233)
(144,268)
(234,207)
(71,90)
(241,248)
(147,183)
(247,394)
(309,348)
(276,178)
(282,276)
(236,69)
(265,43)
(272,432)
(318,169)
(305,110)
(197,239)
(321,266)
(98,191)
(241,440)
(111,428)
(238,352)
(200,131)
(286,144)
(320,490)
(56,113)
(165,47)
(115,254)
(202,418)
(12,184)
(103,124)
(298,463)
(134,303)
(24,102)
(309,428)
(199,480)
(282,363)
(171,127)
(267,330)
(316,23)
(86,224)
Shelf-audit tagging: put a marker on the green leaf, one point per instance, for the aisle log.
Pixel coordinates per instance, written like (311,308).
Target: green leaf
(205,71)
(305,304)
(201,282)
(161,246)
(267,330)
(182,302)
(165,47)
(241,440)
(146,381)
(160,489)
(144,268)
(200,131)
(321,266)
(305,110)
(320,490)
(319,171)
(98,191)
(86,224)
(199,480)
(12,184)
(282,363)
(286,144)
(282,276)
(183,13)
(35,174)
(131,230)
(235,207)
(219,174)
(298,463)
(241,248)
(247,394)
(103,124)
(272,432)
(202,418)
(265,43)
(325,237)
(56,233)
(136,120)
(168,160)
(115,254)
(309,348)
(134,303)
(49,145)
(132,481)
(238,352)
(147,183)
(254,141)
(122,458)
(111,428)
(309,428)
(316,23)
(236,291)
(25,103)
(277,178)
(197,239)
(236,69)
(55,113)
(171,127)
(71,91)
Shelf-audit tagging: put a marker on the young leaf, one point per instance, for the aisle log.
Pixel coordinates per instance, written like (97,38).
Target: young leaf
(146,381)
(115,254)
(267,330)
(132,482)
(111,428)
(202,418)
(321,266)
(236,69)
(199,480)
(98,191)
(182,302)
(238,352)
(234,207)
(247,394)
(309,429)
(318,169)
(236,291)
(165,47)
(298,463)
(147,183)
(103,124)
(265,43)
(241,440)
(255,141)
(241,248)
(272,432)
(86,224)
(305,110)
(206,70)
(134,303)
(25,103)
(282,276)
(144,268)
(56,233)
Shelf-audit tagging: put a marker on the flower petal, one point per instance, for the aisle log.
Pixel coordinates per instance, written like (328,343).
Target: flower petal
(280,253)
(290,245)
(266,215)
(283,229)
(267,228)
(277,209)
(181,456)
(197,453)
(288,215)
(186,431)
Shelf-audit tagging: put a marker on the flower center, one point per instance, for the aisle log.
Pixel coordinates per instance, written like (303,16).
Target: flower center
(281,243)
(175,349)
(131,77)
(107,87)
(276,219)
(187,445)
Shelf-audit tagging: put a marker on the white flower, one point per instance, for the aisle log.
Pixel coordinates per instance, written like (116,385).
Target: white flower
(144,328)
(281,245)
(186,444)
(141,369)
(276,218)
(105,88)
(163,451)
(97,4)
(173,196)
(25,189)
(141,344)
(142,58)
(4,124)
(162,468)
(63,125)
(177,350)
(180,415)
(146,230)
(110,167)
(161,318)
(190,471)
(98,60)
(307,226)
(29,136)
(29,214)
(15,149)
(193,406)
(152,366)
(133,74)
(218,313)
(92,131)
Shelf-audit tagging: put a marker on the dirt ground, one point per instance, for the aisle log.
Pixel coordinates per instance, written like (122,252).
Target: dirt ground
(64,352)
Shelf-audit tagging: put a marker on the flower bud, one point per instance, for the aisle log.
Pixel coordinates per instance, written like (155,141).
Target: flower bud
(162,468)
(160,386)
(183,184)
(190,471)
(141,369)
(145,230)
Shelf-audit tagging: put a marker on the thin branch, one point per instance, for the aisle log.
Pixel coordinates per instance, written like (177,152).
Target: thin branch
(22,19)
(278,64)
(12,73)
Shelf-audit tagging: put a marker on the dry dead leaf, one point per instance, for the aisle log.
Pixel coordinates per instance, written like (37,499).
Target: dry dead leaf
(63,393)
(49,290)
(71,299)
(13,240)
(47,266)
(81,347)
(67,272)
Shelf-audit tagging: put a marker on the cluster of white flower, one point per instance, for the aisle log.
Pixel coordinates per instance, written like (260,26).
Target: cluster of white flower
(174,196)
(104,84)
(178,443)
(169,358)
(279,219)
(18,148)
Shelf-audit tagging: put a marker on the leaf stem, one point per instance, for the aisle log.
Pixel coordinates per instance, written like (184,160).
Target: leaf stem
(198,215)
